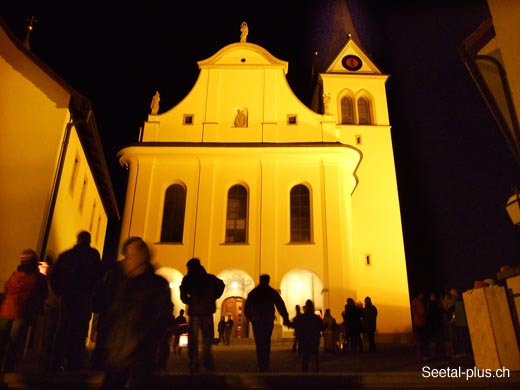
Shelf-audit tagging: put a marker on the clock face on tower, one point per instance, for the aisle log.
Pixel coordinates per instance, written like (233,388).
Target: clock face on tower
(351,62)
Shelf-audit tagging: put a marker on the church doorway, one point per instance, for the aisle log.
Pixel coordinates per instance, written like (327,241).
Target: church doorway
(234,307)
(174,279)
(297,286)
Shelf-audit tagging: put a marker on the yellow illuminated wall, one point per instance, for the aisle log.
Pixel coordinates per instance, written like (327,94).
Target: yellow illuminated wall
(348,170)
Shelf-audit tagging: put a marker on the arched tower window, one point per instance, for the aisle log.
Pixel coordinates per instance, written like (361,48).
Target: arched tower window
(363,105)
(173,214)
(347,110)
(300,214)
(236,217)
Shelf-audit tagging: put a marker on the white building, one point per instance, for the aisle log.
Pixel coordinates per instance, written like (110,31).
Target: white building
(53,174)
(244,176)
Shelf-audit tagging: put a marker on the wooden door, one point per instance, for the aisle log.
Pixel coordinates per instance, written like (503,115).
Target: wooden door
(234,307)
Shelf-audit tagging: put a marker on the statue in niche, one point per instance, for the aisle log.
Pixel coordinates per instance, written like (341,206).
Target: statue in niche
(240,118)
(326,102)
(244,30)
(154,106)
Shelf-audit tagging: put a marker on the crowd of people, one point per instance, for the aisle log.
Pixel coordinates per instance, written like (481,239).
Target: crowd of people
(135,327)
(440,326)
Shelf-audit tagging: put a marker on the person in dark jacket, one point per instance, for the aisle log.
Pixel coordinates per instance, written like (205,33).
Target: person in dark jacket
(308,328)
(25,293)
(74,279)
(199,291)
(137,318)
(352,317)
(369,323)
(259,309)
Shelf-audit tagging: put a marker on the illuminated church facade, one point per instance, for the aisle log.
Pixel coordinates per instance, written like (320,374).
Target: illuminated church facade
(244,176)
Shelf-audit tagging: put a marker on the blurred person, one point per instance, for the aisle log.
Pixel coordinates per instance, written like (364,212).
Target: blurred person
(74,278)
(259,309)
(139,310)
(199,291)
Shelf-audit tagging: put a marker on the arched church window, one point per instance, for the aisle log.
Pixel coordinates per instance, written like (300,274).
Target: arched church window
(363,106)
(236,217)
(347,110)
(300,214)
(173,214)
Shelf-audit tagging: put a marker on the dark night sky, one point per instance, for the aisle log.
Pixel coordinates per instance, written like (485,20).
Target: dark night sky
(454,170)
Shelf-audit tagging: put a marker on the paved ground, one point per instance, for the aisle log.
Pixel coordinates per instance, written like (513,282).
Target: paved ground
(393,366)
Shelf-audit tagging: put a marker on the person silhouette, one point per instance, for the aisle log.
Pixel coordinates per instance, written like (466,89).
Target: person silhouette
(259,309)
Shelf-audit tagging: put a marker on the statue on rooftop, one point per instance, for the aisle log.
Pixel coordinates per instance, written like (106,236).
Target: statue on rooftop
(154,106)
(326,102)
(240,118)
(244,30)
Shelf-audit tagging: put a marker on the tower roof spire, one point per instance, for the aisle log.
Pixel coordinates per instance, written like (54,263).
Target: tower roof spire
(32,21)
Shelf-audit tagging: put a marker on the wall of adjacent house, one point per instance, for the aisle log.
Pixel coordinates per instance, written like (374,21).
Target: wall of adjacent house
(33,115)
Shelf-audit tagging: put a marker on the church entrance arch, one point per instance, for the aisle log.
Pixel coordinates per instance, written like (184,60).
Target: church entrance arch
(297,286)
(238,284)
(174,279)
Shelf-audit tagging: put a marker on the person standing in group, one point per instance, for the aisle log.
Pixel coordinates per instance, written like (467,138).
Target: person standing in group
(199,290)
(308,328)
(221,327)
(418,307)
(139,311)
(180,328)
(369,323)
(259,309)
(352,321)
(75,277)
(330,332)
(228,330)
(24,295)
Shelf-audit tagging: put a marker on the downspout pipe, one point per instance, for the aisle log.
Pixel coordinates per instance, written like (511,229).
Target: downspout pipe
(56,186)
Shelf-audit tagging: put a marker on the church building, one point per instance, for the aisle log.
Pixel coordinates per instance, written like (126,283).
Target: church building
(244,176)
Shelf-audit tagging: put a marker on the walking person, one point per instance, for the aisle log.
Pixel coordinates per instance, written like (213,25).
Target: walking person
(260,310)
(309,327)
(199,290)
(137,318)
(24,296)
(369,323)
(75,277)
